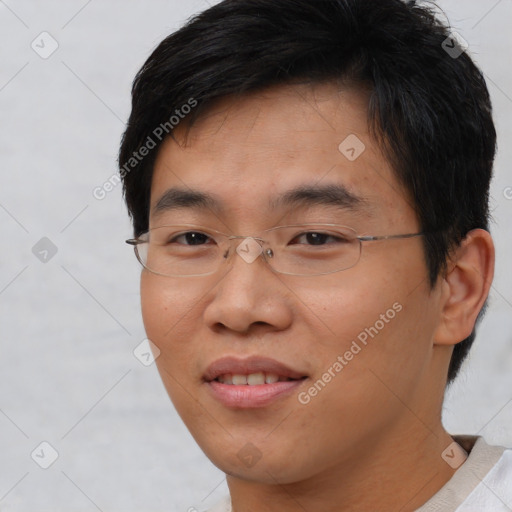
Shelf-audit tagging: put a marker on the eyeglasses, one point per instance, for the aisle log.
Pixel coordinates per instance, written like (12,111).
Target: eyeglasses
(188,250)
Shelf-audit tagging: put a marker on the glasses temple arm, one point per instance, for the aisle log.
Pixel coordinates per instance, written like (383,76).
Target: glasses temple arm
(388,237)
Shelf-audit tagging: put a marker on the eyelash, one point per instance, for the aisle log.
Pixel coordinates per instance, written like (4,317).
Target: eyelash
(173,240)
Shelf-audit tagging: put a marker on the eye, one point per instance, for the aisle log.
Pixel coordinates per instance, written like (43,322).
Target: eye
(191,238)
(317,238)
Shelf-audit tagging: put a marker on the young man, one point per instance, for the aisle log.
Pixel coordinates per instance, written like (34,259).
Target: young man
(308,183)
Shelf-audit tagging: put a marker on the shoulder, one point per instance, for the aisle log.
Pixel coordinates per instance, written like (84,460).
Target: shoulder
(483,482)
(494,491)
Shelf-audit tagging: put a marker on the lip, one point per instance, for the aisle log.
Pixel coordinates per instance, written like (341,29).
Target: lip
(246,396)
(252,364)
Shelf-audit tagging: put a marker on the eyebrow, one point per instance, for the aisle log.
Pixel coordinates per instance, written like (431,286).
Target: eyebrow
(319,195)
(335,195)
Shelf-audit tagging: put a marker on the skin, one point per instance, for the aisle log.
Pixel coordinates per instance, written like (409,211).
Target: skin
(372,438)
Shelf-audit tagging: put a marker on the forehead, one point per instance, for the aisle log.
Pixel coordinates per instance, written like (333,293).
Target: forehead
(251,154)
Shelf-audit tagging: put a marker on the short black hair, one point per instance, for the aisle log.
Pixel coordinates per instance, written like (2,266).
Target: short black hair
(429,107)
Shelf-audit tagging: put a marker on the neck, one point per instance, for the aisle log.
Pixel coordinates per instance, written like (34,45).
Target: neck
(401,471)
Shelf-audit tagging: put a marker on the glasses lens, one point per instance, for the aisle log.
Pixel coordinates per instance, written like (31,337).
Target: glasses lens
(313,249)
(302,250)
(180,251)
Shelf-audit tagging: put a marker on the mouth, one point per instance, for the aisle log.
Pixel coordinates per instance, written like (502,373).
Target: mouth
(254,370)
(253,382)
(253,379)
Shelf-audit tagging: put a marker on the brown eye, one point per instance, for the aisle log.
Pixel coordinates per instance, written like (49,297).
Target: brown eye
(191,238)
(316,238)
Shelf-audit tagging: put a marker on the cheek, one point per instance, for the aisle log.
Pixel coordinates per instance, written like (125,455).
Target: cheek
(169,312)
(381,318)
(165,304)
(155,305)
(171,316)
(339,309)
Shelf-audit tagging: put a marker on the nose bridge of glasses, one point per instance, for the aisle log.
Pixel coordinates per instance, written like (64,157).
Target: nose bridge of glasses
(248,248)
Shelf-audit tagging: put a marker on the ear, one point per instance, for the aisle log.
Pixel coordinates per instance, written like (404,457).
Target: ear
(465,287)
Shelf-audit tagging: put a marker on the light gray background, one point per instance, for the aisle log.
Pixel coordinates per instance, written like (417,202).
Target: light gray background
(68,326)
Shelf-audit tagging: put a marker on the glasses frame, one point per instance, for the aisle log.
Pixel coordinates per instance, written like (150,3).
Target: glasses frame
(268,253)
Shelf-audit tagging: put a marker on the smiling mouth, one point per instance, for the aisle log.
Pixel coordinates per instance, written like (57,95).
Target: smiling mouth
(252,382)
(253,390)
(253,379)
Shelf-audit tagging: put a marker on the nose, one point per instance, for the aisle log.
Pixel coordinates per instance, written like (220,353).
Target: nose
(249,294)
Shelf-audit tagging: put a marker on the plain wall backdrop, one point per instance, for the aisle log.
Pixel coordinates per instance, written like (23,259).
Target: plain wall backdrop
(69,285)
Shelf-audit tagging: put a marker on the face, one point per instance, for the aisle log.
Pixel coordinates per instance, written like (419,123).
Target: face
(356,338)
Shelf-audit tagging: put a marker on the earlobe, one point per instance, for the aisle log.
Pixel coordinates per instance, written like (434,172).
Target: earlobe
(465,287)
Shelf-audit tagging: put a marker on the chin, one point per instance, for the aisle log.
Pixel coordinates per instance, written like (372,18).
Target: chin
(269,465)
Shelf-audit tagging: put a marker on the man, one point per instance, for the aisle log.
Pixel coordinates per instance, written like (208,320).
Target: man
(308,183)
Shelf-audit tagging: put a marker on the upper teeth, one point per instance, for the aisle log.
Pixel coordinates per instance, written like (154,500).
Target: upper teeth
(252,379)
